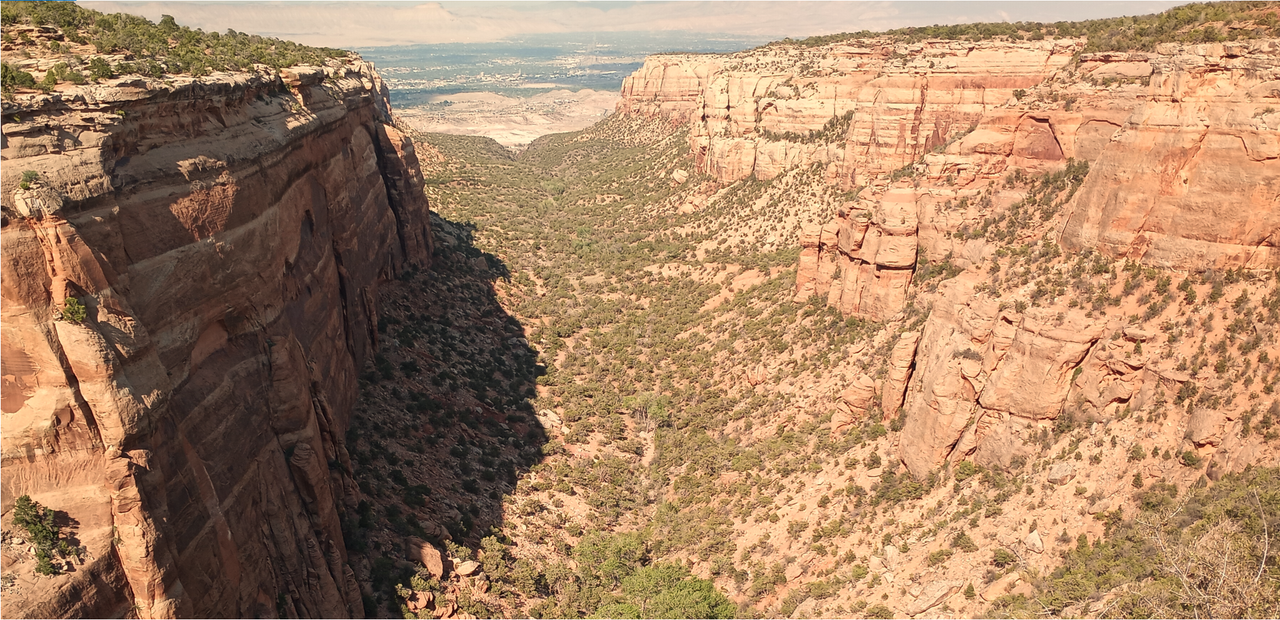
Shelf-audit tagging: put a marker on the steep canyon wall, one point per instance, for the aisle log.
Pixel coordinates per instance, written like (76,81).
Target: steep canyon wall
(1181,146)
(227,235)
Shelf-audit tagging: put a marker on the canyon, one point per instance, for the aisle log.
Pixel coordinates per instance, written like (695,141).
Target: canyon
(874,326)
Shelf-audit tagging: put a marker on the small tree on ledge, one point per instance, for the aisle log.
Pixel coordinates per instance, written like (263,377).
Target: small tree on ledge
(73,311)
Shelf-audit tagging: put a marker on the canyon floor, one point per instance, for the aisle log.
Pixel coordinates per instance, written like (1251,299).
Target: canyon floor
(606,377)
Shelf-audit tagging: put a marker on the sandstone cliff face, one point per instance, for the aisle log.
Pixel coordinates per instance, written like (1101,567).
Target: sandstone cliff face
(904,100)
(1183,144)
(985,375)
(227,235)
(938,138)
(1203,148)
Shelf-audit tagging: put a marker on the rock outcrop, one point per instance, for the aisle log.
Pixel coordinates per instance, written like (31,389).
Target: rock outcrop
(901,361)
(227,236)
(865,108)
(854,403)
(985,376)
(1182,142)
(862,261)
(1204,148)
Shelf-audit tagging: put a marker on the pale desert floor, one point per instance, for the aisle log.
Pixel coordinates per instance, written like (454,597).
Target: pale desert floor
(513,122)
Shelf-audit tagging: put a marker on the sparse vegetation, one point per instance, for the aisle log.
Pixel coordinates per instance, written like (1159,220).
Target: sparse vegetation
(604,392)
(156,49)
(1189,23)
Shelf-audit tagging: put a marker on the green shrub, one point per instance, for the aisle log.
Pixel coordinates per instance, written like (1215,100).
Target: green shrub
(879,611)
(1136,453)
(73,311)
(159,48)
(12,78)
(963,542)
(39,523)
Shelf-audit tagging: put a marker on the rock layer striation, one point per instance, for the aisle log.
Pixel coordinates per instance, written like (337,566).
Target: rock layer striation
(227,236)
(1182,145)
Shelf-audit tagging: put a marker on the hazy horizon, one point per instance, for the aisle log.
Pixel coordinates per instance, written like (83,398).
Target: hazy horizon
(378,24)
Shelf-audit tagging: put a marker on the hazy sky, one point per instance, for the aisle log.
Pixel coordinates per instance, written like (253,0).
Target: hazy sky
(366,24)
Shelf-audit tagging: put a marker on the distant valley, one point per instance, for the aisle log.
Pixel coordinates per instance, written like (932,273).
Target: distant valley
(515,91)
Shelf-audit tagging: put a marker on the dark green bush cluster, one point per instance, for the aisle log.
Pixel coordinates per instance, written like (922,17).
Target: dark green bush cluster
(44,533)
(618,578)
(12,78)
(73,311)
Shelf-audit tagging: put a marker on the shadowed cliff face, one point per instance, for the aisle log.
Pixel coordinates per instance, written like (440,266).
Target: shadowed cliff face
(228,236)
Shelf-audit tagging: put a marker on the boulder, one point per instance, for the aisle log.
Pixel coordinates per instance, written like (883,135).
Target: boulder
(419,601)
(1061,472)
(854,403)
(426,554)
(1137,334)
(549,419)
(1206,427)
(805,609)
(793,571)
(876,564)
(933,594)
(1034,542)
(1000,587)
(892,557)
(468,568)
(1024,588)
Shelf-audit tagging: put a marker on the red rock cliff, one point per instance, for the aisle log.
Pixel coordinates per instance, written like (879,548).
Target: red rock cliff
(945,141)
(1183,144)
(227,235)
